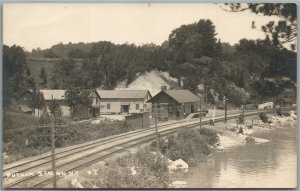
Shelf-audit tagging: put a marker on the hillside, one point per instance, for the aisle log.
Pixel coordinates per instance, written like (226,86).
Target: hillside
(152,81)
(35,66)
(50,64)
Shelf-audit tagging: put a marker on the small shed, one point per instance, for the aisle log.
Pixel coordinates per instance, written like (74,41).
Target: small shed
(174,104)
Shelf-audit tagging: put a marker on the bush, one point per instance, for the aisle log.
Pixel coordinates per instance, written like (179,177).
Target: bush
(187,144)
(39,137)
(250,139)
(152,171)
(264,117)
(278,112)
(211,135)
(241,119)
(13,120)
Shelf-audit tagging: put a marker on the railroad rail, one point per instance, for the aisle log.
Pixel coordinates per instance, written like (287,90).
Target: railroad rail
(74,157)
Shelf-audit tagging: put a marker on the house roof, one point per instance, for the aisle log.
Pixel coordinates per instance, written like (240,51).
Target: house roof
(115,94)
(25,108)
(180,96)
(53,94)
(287,95)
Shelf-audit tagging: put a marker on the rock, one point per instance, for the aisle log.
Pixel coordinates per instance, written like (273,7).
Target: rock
(181,164)
(76,183)
(177,165)
(178,184)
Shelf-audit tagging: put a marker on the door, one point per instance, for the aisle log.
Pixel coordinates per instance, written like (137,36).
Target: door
(124,108)
(192,108)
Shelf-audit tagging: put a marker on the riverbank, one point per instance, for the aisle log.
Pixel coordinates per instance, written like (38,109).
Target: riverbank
(145,168)
(268,165)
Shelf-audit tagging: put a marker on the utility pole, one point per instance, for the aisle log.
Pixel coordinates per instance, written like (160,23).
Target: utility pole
(225,107)
(243,112)
(200,114)
(206,97)
(156,128)
(214,113)
(53,149)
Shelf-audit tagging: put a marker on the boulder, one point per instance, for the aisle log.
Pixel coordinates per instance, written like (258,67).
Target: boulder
(181,165)
(76,184)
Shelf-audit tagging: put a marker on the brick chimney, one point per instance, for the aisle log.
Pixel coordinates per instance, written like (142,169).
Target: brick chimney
(164,88)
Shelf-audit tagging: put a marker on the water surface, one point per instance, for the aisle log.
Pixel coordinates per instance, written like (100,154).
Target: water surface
(268,165)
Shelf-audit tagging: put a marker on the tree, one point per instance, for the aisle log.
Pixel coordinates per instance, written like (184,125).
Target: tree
(282,32)
(49,53)
(77,96)
(54,107)
(43,75)
(37,100)
(77,54)
(15,79)
(193,47)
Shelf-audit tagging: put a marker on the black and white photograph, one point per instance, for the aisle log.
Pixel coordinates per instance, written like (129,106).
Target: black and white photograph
(149,95)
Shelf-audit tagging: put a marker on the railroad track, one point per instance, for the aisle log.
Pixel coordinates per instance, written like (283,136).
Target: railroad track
(84,154)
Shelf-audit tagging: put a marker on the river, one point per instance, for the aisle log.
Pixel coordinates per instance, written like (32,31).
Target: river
(268,165)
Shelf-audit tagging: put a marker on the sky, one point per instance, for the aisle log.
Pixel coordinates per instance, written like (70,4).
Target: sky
(44,25)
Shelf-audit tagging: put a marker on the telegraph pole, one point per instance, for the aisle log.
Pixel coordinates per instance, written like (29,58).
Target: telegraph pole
(156,128)
(225,107)
(200,114)
(53,149)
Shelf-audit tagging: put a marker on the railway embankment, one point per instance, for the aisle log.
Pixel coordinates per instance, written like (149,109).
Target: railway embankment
(149,168)
(23,142)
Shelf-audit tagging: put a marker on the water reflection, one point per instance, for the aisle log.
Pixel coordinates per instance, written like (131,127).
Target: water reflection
(269,165)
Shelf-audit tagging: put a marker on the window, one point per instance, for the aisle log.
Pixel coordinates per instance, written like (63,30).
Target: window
(108,106)
(137,106)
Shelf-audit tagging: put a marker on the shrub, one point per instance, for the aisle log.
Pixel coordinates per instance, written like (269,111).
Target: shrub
(250,139)
(241,119)
(211,135)
(152,171)
(278,112)
(13,120)
(187,144)
(264,117)
(44,119)
(39,137)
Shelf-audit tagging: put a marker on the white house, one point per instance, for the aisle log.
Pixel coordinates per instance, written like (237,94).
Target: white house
(57,95)
(265,105)
(120,101)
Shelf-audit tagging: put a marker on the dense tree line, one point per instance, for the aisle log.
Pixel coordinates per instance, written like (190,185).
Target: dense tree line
(250,69)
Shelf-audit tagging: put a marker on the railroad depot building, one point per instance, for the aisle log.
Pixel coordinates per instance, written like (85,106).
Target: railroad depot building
(120,102)
(287,98)
(174,104)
